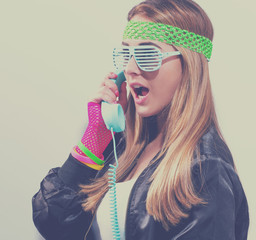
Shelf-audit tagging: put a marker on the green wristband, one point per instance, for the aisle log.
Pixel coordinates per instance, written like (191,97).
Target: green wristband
(89,154)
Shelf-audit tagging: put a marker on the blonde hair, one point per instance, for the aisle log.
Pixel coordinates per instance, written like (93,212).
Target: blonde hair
(188,116)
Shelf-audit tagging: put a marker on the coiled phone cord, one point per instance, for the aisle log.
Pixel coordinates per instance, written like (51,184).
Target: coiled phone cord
(112,194)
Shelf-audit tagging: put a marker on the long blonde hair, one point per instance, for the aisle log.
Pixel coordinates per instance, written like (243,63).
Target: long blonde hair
(188,116)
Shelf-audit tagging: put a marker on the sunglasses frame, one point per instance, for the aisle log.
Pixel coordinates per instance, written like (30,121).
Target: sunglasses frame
(142,60)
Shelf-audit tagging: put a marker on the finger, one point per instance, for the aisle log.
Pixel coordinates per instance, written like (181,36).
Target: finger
(108,90)
(112,86)
(110,75)
(108,95)
(103,94)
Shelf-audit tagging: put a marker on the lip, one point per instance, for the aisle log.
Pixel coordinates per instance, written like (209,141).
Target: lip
(138,100)
(137,83)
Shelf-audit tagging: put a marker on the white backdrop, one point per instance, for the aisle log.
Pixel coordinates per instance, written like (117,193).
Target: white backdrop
(54,53)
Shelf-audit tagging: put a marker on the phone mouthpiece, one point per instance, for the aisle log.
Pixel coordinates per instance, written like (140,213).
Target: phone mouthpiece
(113,116)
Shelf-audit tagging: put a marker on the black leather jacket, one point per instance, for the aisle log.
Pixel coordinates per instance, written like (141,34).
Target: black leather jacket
(58,215)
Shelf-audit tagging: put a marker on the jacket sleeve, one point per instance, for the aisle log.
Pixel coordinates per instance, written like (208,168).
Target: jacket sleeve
(225,216)
(57,211)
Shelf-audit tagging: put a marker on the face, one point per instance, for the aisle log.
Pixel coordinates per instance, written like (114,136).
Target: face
(160,85)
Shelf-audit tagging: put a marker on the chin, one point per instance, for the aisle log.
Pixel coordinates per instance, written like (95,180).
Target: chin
(145,113)
(149,112)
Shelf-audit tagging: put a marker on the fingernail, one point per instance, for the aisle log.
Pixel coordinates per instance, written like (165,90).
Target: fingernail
(117,93)
(115,102)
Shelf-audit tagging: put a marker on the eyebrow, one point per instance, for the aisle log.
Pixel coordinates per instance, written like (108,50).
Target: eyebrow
(144,43)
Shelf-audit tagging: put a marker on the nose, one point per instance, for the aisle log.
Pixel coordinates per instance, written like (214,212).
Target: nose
(132,67)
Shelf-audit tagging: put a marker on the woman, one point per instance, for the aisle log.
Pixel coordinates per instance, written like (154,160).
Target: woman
(176,178)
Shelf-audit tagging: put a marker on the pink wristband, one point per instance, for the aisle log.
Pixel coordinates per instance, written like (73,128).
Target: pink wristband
(81,158)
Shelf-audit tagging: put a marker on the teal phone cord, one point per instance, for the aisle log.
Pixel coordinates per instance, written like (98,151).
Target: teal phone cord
(112,194)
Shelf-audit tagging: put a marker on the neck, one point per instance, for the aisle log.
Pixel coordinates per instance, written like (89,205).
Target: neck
(155,129)
(161,119)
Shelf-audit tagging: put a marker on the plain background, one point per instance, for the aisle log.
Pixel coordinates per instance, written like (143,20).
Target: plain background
(53,55)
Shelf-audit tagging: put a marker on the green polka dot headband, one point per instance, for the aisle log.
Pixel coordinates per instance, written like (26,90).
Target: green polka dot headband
(168,34)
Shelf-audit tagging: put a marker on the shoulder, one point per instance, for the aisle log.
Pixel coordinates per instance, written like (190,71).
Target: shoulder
(217,183)
(214,174)
(211,145)
(215,157)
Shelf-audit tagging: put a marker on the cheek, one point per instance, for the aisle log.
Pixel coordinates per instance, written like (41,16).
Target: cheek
(169,82)
(168,92)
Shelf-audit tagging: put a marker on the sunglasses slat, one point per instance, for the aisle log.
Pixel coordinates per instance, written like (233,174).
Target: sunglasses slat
(148,58)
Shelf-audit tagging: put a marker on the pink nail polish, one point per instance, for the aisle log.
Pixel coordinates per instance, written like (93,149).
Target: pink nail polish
(117,93)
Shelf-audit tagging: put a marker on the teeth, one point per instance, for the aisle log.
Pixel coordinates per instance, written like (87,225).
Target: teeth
(136,86)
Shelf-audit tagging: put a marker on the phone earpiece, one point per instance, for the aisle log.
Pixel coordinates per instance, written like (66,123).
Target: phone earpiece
(113,114)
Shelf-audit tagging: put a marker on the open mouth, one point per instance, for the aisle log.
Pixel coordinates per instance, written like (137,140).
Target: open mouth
(141,91)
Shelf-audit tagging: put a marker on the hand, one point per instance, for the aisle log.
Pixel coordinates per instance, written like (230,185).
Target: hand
(108,92)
